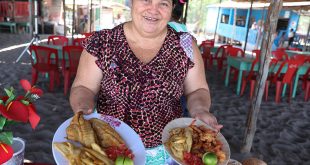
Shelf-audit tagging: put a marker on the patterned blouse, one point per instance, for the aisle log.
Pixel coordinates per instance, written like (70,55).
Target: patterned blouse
(145,96)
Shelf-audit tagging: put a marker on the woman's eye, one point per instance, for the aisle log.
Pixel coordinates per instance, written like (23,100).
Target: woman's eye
(165,4)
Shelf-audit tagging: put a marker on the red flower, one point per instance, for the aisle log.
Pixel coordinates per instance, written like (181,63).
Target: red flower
(18,111)
(6,152)
(27,86)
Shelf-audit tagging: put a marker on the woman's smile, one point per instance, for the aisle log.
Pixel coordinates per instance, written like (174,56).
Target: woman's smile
(150,19)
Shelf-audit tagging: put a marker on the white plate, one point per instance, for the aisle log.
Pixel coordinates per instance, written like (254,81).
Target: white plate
(184,122)
(131,138)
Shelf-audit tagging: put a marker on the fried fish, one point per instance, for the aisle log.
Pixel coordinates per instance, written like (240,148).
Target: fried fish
(106,135)
(80,130)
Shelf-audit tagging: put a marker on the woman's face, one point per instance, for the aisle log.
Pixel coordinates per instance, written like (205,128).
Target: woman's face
(151,16)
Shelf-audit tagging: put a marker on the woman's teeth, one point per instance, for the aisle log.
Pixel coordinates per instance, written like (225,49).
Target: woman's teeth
(150,19)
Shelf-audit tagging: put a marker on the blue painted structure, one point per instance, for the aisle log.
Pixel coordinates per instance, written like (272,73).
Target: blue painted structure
(226,29)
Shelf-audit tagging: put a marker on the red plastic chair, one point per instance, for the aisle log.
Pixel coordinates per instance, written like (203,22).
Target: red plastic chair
(78,41)
(220,56)
(87,34)
(294,49)
(251,77)
(44,60)
(280,55)
(58,40)
(209,43)
(306,82)
(70,62)
(235,52)
(206,56)
(281,79)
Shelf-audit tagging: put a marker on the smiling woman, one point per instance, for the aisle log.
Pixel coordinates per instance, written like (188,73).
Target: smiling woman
(138,72)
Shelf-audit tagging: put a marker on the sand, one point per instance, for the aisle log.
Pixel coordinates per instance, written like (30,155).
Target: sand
(282,135)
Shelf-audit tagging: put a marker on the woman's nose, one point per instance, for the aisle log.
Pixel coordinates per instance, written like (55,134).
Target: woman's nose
(153,8)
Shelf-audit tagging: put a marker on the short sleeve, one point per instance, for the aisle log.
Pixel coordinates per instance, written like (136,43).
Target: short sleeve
(95,43)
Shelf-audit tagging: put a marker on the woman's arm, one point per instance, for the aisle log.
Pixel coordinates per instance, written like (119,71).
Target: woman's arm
(86,84)
(197,92)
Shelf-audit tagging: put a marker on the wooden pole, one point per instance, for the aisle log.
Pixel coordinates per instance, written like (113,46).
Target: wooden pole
(64,17)
(234,26)
(186,12)
(217,20)
(30,17)
(270,28)
(73,20)
(90,19)
(248,26)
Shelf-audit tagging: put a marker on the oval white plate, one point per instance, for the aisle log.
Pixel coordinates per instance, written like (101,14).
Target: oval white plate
(184,122)
(131,138)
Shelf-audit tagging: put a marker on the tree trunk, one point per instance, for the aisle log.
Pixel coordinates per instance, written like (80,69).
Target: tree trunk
(270,27)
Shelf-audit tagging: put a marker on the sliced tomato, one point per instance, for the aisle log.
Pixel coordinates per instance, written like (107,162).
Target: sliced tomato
(113,152)
(191,159)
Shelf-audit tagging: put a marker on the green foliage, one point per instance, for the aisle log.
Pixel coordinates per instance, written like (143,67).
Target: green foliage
(2,122)
(6,137)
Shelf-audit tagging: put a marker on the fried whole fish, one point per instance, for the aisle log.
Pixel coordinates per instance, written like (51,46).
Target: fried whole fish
(80,130)
(106,135)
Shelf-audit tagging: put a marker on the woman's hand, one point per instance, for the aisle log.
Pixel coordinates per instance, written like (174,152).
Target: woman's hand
(82,99)
(209,119)
(86,108)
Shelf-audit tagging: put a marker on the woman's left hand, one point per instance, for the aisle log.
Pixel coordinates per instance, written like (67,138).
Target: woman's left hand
(209,119)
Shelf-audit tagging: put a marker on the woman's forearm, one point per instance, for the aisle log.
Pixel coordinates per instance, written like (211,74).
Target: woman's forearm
(82,99)
(198,101)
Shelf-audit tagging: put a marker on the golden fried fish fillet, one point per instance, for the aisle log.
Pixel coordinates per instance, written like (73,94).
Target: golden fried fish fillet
(106,135)
(80,130)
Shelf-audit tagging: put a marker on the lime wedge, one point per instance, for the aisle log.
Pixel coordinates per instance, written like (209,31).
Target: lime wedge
(128,161)
(209,158)
(120,160)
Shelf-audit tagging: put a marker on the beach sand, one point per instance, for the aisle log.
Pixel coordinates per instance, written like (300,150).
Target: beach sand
(282,135)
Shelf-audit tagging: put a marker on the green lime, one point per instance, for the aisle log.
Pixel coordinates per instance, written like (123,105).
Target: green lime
(209,158)
(128,161)
(120,160)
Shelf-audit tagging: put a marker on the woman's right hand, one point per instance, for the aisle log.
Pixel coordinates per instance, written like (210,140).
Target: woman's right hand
(82,99)
(86,108)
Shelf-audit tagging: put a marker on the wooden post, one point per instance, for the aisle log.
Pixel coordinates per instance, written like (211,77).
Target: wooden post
(90,19)
(270,28)
(217,20)
(64,16)
(73,20)
(234,26)
(248,26)
(185,18)
(30,17)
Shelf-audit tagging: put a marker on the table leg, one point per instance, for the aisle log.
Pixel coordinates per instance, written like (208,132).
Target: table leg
(227,76)
(284,90)
(239,82)
(295,85)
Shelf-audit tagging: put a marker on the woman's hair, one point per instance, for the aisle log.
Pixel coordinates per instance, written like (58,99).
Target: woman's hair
(174,1)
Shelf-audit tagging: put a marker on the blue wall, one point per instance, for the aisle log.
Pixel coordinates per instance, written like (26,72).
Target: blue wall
(240,35)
